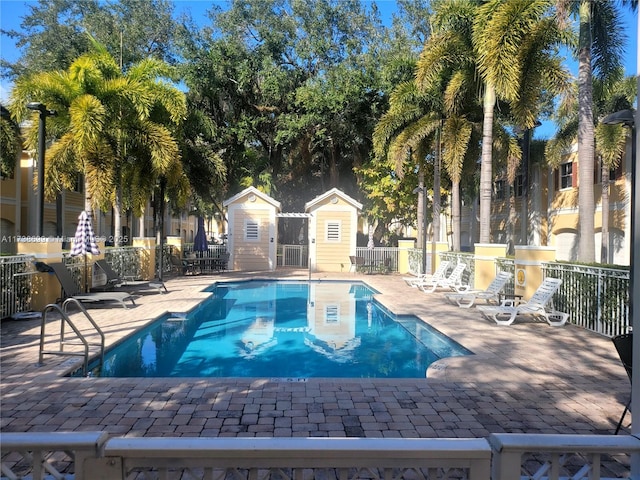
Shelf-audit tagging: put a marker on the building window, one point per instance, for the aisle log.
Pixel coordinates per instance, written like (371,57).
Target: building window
(616,173)
(251,230)
(566,175)
(499,189)
(78,185)
(519,186)
(334,229)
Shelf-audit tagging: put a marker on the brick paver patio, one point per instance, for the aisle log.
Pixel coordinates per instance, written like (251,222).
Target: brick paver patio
(527,377)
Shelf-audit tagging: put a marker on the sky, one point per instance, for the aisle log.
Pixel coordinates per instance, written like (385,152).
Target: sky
(12,11)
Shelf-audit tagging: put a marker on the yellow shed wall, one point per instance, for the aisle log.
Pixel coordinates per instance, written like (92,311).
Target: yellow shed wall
(330,255)
(251,255)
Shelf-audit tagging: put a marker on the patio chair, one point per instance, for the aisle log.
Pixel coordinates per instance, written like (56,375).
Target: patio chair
(491,294)
(453,281)
(181,267)
(222,264)
(540,305)
(624,347)
(439,273)
(70,289)
(357,263)
(115,281)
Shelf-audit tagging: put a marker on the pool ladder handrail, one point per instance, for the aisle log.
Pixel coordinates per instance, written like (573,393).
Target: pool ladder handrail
(65,319)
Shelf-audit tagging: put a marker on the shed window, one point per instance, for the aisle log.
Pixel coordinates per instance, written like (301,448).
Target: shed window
(251,230)
(332,313)
(334,230)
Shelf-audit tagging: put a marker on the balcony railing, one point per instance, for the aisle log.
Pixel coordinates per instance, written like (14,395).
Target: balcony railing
(91,455)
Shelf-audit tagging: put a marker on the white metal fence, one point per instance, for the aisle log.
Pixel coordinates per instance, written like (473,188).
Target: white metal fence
(597,297)
(293,256)
(16,276)
(387,256)
(95,456)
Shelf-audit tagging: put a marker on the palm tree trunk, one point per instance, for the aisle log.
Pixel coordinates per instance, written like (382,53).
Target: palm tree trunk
(511,223)
(604,246)
(117,220)
(586,149)
(486,169)
(422,228)
(437,200)
(455,215)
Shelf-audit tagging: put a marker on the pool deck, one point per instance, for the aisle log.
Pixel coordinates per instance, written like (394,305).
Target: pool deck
(528,377)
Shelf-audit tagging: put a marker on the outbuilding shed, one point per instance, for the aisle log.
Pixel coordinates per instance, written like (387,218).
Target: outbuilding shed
(253,230)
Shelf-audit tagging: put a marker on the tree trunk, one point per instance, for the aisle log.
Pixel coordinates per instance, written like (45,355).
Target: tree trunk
(511,223)
(437,200)
(422,228)
(586,150)
(88,207)
(160,227)
(526,151)
(455,215)
(486,169)
(117,220)
(604,246)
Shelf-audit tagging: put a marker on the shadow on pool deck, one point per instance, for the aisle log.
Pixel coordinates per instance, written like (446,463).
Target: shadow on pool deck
(528,377)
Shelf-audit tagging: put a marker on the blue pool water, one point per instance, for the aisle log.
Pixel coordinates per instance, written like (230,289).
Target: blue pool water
(283,329)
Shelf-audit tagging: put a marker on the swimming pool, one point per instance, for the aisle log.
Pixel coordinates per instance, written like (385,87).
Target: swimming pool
(282,329)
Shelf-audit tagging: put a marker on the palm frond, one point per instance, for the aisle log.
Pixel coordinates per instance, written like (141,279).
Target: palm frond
(610,143)
(456,133)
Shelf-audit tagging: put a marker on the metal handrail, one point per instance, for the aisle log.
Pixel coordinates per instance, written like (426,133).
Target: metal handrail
(65,319)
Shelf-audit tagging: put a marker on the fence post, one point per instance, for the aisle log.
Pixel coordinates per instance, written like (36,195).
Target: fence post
(403,254)
(147,256)
(485,262)
(528,268)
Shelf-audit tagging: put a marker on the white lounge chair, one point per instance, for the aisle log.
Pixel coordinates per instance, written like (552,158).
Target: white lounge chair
(491,294)
(540,305)
(439,273)
(453,281)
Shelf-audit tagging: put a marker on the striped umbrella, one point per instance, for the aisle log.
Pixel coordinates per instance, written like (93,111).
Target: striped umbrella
(84,242)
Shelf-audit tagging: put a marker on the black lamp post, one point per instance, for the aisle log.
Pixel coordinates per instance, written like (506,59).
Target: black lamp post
(627,118)
(42,130)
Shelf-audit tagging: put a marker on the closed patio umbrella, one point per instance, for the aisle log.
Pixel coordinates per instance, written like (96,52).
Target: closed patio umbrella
(84,242)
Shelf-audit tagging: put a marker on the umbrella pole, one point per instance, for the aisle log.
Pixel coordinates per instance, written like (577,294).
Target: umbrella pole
(86,280)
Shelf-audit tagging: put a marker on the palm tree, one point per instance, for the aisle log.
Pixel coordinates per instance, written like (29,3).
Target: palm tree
(506,34)
(111,128)
(614,94)
(610,143)
(600,46)
(406,132)
(10,143)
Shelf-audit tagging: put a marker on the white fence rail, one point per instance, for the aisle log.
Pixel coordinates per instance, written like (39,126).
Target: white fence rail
(92,455)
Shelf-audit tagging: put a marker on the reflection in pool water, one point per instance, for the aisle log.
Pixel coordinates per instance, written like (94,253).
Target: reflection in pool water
(283,329)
